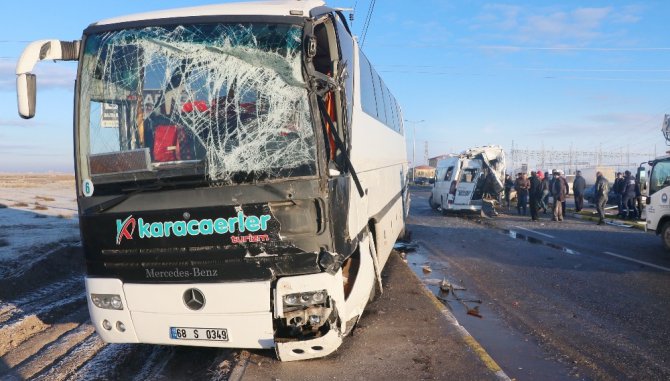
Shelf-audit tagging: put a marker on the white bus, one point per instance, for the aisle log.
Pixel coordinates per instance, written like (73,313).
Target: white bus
(241,173)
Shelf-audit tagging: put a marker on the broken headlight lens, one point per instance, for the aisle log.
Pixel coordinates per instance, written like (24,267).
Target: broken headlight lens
(107,301)
(305,298)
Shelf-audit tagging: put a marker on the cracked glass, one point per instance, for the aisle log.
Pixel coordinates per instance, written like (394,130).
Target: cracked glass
(226,101)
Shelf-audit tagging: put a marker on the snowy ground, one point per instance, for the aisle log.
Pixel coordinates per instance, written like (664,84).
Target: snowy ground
(37,212)
(45,331)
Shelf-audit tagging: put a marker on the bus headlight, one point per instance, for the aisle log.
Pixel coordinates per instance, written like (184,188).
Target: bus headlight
(304,299)
(107,301)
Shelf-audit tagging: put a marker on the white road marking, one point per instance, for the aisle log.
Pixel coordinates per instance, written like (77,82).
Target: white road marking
(533,231)
(637,261)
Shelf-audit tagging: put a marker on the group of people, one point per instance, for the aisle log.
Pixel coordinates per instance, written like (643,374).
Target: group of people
(536,190)
(628,196)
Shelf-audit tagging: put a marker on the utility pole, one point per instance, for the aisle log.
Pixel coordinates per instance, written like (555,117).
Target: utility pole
(425,152)
(414,123)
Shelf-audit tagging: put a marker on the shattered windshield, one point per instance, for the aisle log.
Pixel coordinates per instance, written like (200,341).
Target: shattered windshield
(223,100)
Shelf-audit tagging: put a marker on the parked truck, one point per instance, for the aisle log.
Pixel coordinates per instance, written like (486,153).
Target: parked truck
(657,191)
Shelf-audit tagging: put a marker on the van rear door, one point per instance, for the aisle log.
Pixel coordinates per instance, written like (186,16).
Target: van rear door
(467,183)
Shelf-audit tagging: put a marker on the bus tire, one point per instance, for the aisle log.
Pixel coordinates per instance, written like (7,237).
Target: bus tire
(665,235)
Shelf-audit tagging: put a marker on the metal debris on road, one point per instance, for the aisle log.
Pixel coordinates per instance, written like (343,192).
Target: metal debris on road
(404,247)
(474,312)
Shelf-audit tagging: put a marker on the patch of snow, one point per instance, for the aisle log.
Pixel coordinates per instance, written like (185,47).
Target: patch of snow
(36,210)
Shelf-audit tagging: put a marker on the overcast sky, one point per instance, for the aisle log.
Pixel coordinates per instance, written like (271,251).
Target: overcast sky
(553,75)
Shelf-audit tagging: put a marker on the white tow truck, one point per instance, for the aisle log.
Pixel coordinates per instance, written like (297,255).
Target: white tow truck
(657,191)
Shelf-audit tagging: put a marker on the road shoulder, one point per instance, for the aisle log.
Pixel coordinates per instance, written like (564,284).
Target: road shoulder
(404,334)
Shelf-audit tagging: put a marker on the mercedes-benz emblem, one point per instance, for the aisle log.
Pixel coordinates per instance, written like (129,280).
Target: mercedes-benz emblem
(194,299)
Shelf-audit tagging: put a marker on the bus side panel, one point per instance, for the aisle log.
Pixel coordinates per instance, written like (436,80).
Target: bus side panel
(379,156)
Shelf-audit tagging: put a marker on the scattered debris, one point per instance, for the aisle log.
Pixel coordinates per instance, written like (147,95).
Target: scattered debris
(432,281)
(445,286)
(474,312)
(617,223)
(426,269)
(404,247)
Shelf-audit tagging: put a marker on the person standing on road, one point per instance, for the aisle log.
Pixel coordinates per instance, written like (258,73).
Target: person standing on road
(578,186)
(602,188)
(535,195)
(558,192)
(629,196)
(567,190)
(509,184)
(618,189)
(521,185)
(638,199)
(545,192)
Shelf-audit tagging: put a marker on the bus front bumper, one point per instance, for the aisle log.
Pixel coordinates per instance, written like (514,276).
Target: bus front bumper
(151,313)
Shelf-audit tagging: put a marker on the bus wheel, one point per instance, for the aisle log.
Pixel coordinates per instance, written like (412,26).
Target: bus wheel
(665,235)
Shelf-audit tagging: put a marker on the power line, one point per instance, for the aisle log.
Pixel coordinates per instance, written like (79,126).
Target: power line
(532,69)
(366,25)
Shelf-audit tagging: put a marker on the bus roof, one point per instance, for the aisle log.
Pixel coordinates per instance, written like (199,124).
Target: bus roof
(268,8)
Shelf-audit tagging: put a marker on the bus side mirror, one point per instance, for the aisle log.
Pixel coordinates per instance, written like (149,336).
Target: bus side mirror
(35,52)
(25,92)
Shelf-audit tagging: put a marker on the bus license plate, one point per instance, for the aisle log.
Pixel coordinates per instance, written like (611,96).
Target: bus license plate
(187,333)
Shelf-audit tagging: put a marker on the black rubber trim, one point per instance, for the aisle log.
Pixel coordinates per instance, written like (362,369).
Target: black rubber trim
(210,19)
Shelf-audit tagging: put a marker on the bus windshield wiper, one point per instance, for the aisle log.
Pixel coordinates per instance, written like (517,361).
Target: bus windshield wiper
(158,185)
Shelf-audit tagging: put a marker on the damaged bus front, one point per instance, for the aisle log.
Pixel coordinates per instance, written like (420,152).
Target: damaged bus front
(463,181)
(215,183)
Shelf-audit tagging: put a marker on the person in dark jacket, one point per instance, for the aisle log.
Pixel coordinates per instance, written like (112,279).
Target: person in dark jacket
(521,185)
(628,200)
(602,189)
(559,190)
(578,186)
(534,195)
(618,189)
(509,184)
(638,199)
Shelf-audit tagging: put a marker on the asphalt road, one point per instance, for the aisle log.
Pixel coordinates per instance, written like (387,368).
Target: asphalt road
(559,300)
